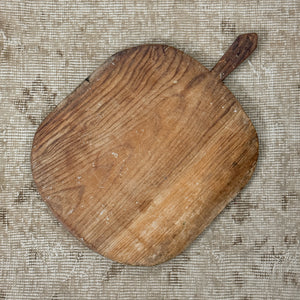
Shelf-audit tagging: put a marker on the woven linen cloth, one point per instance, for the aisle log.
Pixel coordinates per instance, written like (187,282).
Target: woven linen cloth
(251,250)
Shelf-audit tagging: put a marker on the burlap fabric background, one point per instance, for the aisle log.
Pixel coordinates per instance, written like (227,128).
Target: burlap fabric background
(251,251)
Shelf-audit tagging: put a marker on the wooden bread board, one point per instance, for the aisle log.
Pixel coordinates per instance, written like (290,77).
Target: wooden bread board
(146,152)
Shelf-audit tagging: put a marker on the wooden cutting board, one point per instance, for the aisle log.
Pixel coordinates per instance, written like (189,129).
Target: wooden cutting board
(146,152)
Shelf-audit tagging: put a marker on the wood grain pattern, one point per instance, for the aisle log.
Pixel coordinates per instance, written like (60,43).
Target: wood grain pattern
(144,154)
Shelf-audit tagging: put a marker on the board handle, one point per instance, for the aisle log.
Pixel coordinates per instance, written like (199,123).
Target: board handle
(241,48)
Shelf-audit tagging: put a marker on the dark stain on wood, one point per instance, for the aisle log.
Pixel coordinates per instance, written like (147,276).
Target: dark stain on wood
(242,47)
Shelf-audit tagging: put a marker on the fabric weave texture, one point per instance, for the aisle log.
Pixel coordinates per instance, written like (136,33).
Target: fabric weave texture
(251,250)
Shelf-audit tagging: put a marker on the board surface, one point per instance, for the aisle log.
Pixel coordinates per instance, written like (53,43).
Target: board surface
(142,156)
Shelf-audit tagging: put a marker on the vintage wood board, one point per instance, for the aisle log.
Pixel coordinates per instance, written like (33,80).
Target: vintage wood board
(146,152)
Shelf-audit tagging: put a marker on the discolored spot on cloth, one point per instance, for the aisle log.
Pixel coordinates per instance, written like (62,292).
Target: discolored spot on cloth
(7,53)
(228,27)
(238,240)
(77,256)
(290,240)
(59,52)
(2,180)
(292,12)
(3,216)
(240,217)
(1,45)
(290,278)
(114,270)
(260,243)
(36,101)
(242,207)
(26,193)
(6,28)
(20,198)
(22,104)
(238,279)
(284,202)
(33,255)
(175,274)
(272,257)
(287,198)
(57,296)
(6,49)
(259,272)
(2,295)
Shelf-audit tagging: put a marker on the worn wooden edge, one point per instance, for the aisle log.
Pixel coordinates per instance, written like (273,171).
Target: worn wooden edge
(239,51)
